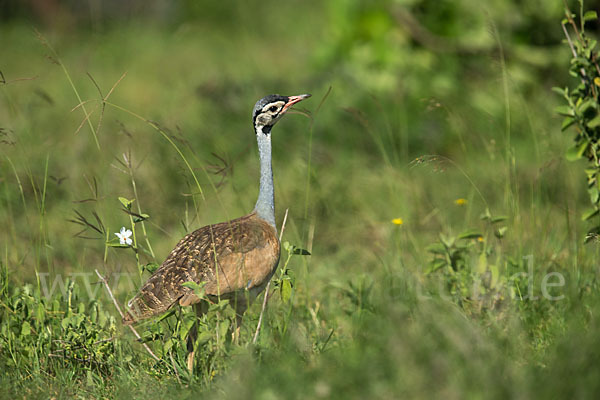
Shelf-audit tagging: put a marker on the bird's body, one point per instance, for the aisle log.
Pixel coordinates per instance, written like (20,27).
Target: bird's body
(232,260)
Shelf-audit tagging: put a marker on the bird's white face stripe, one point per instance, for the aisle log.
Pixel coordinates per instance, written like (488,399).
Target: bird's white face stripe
(274,107)
(270,113)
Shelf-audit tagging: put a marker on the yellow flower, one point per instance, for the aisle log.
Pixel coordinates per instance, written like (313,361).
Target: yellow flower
(597,81)
(397,221)
(460,202)
(480,239)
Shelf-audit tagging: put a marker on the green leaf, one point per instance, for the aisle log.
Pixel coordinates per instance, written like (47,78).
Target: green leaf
(220,306)
(447,241)
(286,290)
(559,90)
(126,203)
(564,110)
(77,319)
(290,248)
(40,313)
(93,311)
(486,215)
(198,288)
(168,345)
(495,275)
(588,214)
(567,122)
(149,337)
(300,251)
(186,325)
(192,285)
(590,172)
(594,194)
(499,218)
(435,266)
(224,327)
(25,328)
(500,232)
(203,338)
(151,267)
(140,217)
(594,122)
(482,263)
(588,107)
(166,315)
(436,248)
(470,234)
(576,152)
(589,16)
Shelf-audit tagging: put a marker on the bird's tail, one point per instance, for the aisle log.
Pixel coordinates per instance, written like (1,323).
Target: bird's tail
(144,305)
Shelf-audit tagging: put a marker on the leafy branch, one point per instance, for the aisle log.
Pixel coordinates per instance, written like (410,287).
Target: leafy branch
(582,111)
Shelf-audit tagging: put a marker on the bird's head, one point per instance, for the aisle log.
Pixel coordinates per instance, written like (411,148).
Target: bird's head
(270,109)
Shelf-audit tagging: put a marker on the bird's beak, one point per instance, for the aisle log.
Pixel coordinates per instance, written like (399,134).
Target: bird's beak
(293,100)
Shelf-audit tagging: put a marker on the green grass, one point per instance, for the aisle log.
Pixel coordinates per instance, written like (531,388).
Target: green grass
(378,310)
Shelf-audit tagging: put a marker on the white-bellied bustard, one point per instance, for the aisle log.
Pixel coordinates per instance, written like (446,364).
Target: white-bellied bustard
(233,259)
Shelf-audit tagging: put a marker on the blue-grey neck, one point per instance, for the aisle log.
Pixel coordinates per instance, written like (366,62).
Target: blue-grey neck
(265,205)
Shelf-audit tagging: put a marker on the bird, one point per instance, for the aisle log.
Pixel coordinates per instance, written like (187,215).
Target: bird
(232,260)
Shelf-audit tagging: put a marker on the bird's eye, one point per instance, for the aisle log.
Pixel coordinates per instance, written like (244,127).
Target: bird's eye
(272,108)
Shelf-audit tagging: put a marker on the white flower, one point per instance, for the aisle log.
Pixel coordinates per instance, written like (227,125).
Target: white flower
(125,236)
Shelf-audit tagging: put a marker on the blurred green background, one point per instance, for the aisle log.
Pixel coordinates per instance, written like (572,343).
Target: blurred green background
(434,112)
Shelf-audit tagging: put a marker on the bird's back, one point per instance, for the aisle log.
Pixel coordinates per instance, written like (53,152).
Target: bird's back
(229,258)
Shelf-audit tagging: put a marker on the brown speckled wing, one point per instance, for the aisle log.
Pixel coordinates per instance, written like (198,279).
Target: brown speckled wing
(229,258)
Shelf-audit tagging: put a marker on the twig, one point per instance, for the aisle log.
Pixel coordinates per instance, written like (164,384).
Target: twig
(174,367)
(569,40)
(103,279)
(573,51)
(574,26)
(264,304)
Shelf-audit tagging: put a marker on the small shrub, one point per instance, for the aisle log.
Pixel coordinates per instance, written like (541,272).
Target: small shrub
(582,111)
